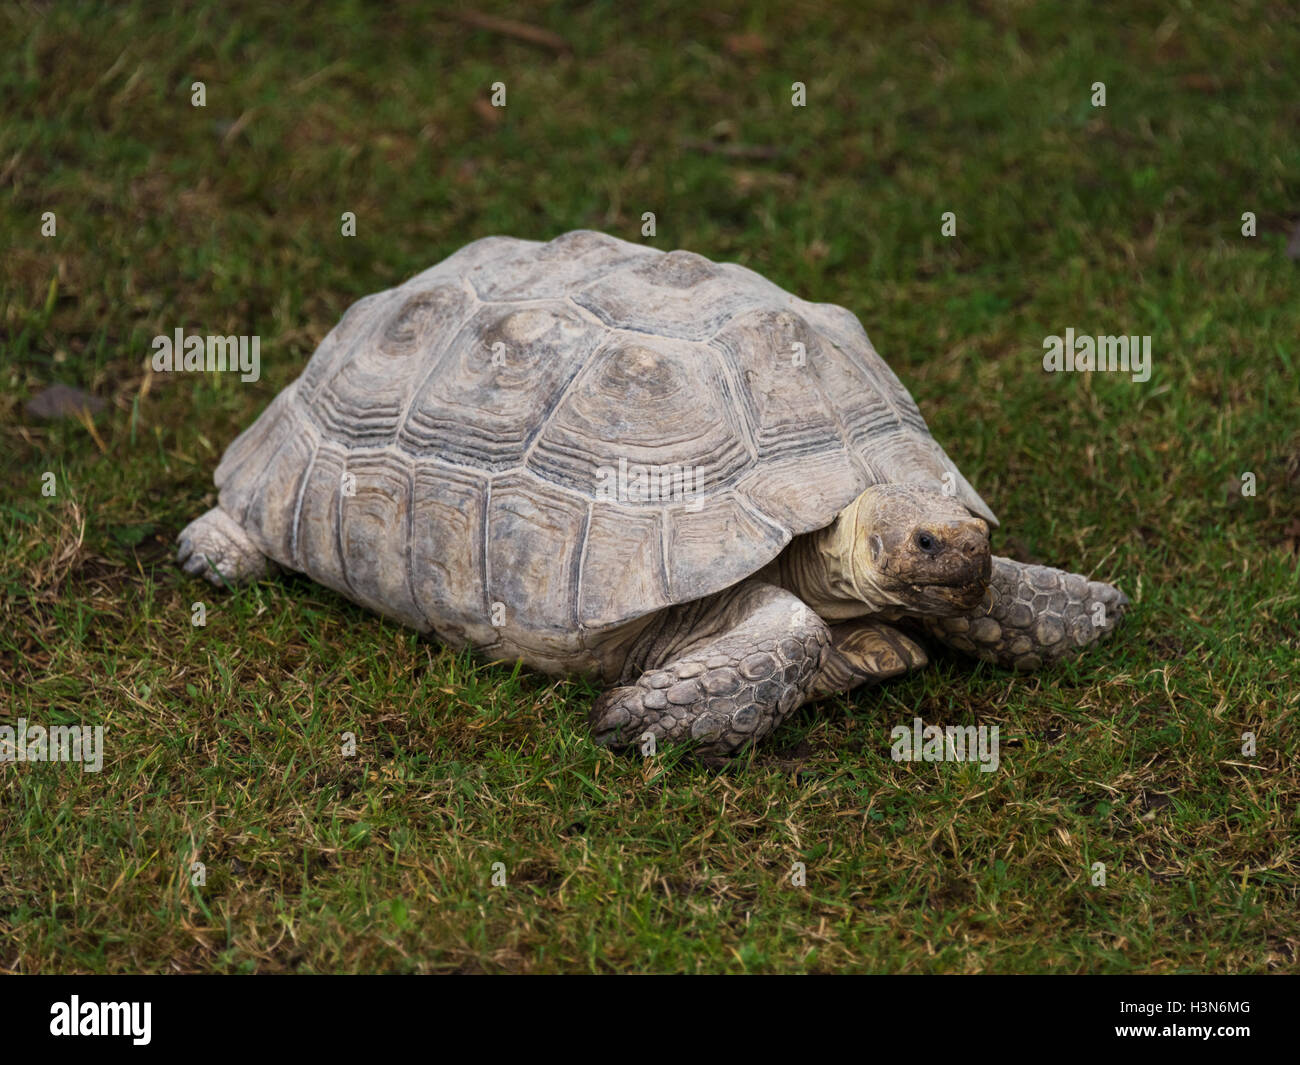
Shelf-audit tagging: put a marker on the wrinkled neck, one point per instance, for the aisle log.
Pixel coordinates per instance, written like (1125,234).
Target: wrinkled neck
(823,569)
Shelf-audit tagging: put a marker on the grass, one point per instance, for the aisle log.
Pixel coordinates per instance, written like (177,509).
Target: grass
(223,741)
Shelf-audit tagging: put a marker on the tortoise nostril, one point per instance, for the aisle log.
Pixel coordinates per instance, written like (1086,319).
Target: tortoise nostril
(970,542)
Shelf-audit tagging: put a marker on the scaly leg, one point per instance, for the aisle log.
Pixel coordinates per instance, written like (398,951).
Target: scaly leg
(866,652)
(216,547)
(723,672)
(1033,615)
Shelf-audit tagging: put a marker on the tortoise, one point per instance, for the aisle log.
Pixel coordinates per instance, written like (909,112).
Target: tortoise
(663,472)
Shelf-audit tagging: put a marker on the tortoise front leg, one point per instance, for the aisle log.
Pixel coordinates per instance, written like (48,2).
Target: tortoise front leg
(721,673)
(1033,615)
(866,652)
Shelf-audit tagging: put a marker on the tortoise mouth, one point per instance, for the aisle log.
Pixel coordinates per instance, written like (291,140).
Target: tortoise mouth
(949,599)
(967,597)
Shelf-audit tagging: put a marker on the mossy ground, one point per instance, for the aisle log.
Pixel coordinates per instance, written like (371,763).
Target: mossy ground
(223,741)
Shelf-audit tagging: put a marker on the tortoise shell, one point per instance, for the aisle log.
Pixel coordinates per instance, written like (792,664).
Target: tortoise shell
(547,440)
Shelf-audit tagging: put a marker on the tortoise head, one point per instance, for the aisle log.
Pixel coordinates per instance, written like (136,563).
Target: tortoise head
(912,546)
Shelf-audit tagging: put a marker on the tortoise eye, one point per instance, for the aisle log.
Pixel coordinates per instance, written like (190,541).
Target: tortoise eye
(925,541)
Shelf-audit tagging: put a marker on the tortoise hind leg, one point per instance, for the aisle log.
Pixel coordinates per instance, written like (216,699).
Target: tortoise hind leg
(1033,615)
(216,547)
(721,673)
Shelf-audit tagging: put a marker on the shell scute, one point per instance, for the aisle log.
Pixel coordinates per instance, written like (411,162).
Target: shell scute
(674,294)
(361,397)
(488,397)
(535,539)
(644,409)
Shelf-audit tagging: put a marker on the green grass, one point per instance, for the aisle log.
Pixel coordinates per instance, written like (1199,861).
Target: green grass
(224,741)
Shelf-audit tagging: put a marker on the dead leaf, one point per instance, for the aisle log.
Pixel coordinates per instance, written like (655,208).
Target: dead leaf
(63,401)
(816,251)
(745,44)
(1201,82)
(489,114)
(520,31)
